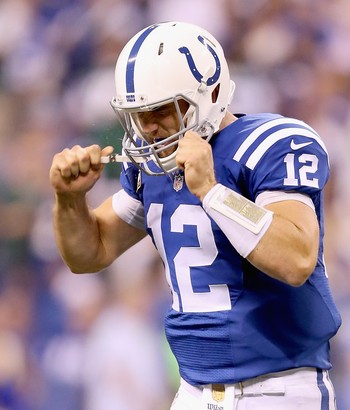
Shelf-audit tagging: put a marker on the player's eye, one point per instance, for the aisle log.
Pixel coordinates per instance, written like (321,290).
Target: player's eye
(165,110)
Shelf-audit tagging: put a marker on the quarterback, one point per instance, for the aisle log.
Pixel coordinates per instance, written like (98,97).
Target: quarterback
(234,206)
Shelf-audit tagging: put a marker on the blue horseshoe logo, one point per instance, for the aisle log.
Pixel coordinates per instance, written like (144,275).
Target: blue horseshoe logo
(198,76)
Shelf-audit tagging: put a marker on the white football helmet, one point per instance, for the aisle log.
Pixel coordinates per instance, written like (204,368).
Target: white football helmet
(162,64)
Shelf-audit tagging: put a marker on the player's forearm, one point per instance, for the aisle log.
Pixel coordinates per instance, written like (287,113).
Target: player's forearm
(77,234)
(281,240)
(287,252)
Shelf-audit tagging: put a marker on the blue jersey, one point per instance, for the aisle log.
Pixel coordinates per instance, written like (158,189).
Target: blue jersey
(229,321)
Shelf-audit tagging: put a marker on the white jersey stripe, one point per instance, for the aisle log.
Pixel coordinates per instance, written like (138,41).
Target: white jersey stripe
(330,388)
(125,165)
(276,136)
(260,130)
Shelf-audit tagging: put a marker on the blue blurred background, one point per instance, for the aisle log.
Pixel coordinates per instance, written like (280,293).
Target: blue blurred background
(95,342)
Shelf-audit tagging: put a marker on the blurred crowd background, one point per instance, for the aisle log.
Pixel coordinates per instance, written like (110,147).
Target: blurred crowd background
(95,342)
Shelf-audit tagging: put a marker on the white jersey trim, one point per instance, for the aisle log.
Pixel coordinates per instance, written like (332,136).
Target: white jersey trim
(273,138)
(276,136)
(270,197)
(260,130)
(129,209)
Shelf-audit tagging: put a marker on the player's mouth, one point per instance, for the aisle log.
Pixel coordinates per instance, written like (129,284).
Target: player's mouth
(158,141)
(164,151)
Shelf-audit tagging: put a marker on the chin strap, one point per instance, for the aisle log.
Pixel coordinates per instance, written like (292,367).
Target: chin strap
(120,158)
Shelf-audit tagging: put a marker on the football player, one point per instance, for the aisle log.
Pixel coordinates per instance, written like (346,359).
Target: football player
(234,206)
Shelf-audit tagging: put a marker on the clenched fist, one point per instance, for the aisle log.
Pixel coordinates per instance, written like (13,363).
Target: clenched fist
(194,156)
(76,170)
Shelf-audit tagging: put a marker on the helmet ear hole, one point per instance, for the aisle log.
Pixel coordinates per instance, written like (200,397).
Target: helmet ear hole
(215,94)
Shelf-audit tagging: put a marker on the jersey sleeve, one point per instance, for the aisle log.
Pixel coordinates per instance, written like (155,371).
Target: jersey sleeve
(127,203)
(293,158)
(129,209)
(130,179)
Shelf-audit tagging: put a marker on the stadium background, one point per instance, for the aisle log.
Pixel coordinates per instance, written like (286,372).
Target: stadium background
(95,342)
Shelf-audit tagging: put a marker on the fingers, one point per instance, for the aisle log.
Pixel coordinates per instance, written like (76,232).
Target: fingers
(106,151)
(194,155)
(78,168)
(192,148)
(72,162)
(78,160)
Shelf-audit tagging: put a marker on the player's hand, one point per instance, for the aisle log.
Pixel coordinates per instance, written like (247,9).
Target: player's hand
(76,170)
(194,155)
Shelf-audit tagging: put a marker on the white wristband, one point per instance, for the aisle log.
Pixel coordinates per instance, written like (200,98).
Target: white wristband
(242,221)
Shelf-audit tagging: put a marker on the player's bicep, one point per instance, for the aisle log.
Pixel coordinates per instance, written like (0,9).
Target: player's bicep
(116,235)
(299,214)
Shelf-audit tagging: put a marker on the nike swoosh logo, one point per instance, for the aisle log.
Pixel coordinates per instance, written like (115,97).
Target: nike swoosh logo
(296,146)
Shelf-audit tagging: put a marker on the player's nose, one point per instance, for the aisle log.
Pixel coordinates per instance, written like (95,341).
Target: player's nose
(149,127)
(149,130)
